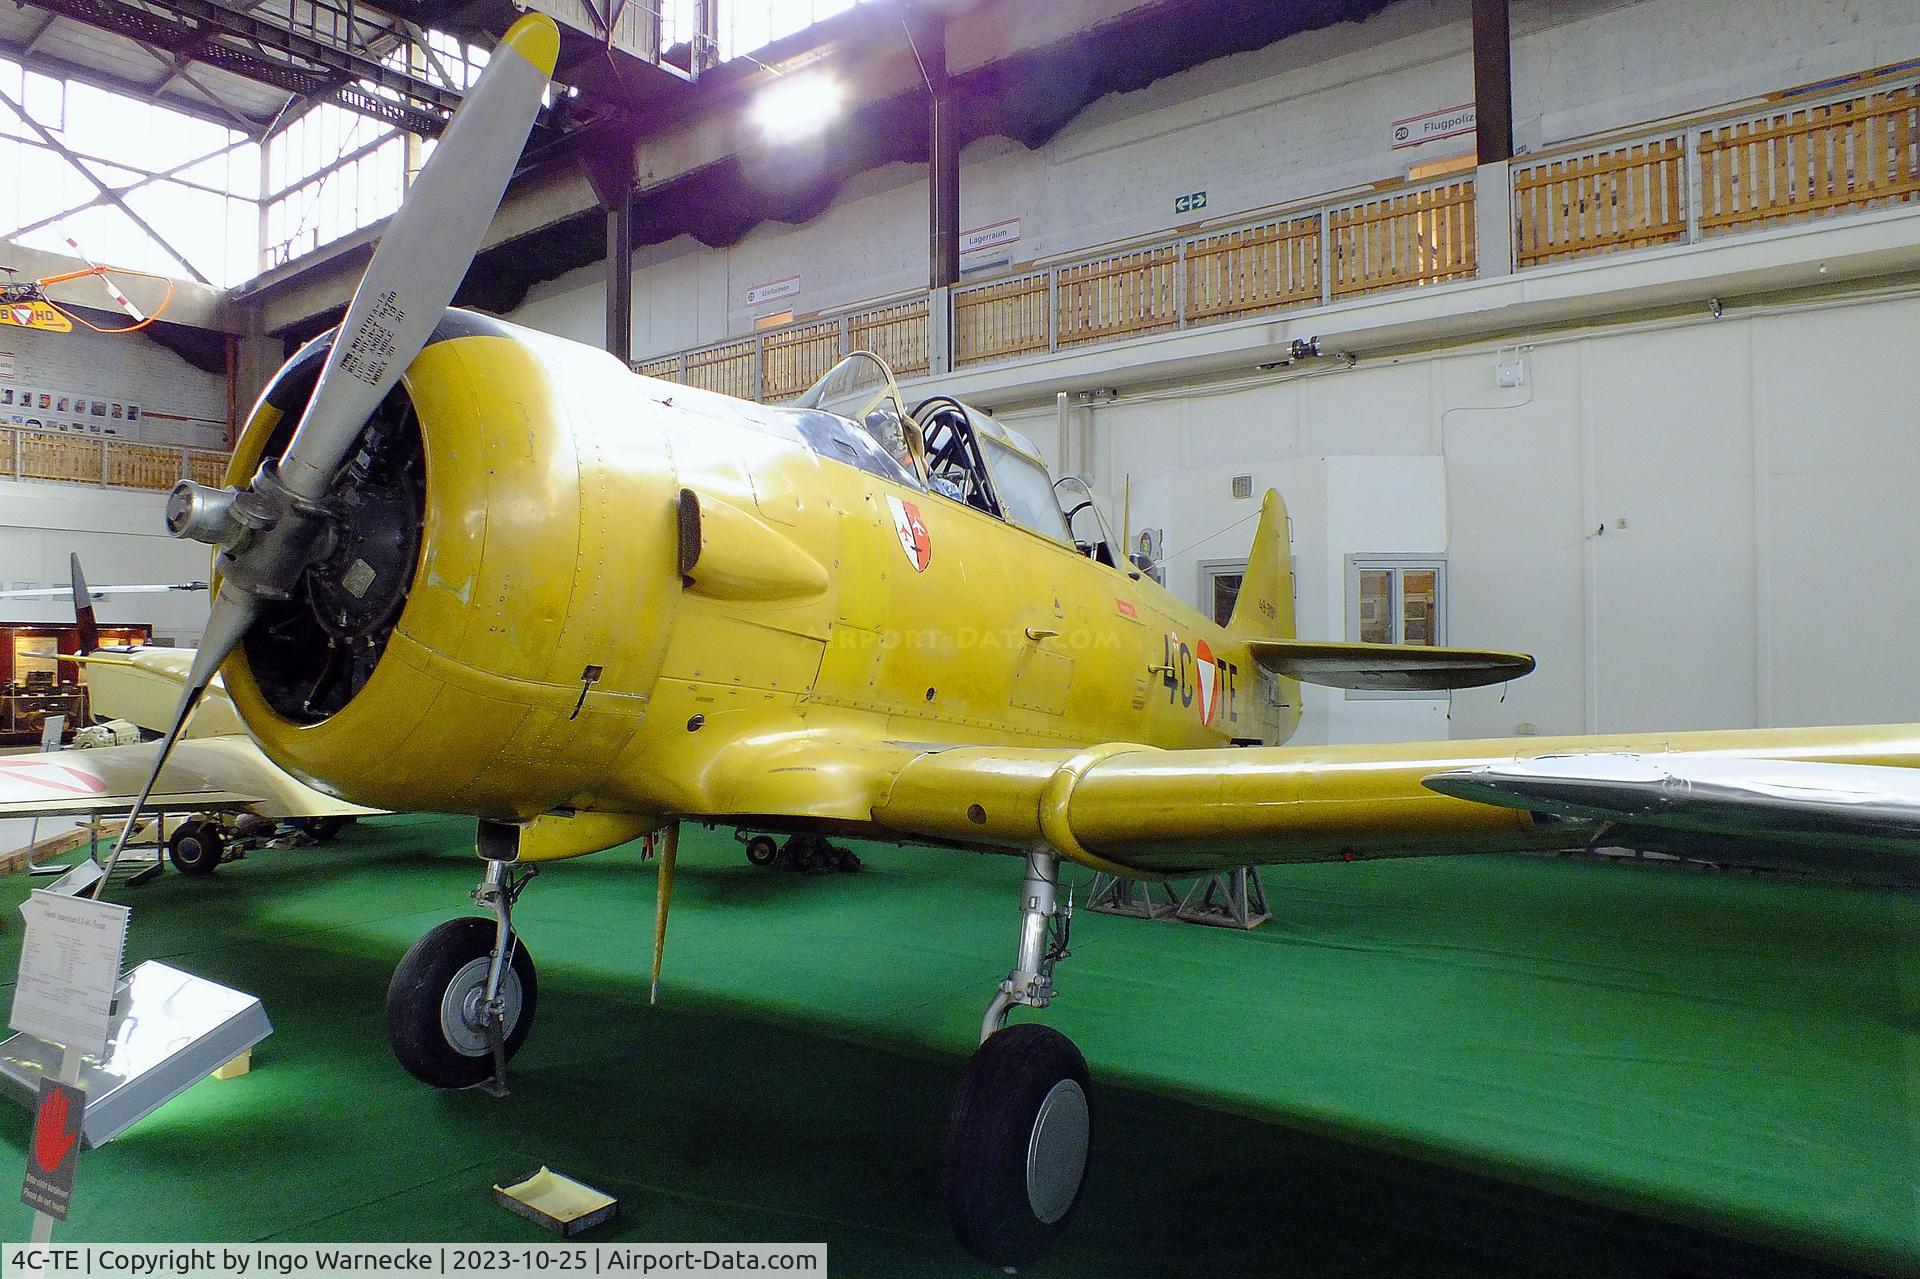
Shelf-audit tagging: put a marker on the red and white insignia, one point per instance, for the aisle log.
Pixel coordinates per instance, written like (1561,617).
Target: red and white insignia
(25,780)
(914,539)
(1206,682)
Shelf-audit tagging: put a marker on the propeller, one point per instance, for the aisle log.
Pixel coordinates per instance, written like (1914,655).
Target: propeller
(271,529)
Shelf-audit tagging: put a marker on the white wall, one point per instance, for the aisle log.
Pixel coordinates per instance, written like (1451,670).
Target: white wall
(183,405)
(1755,477)
(1301,118)
(121,540)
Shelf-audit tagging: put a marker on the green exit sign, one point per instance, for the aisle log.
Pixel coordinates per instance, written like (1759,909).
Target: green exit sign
(1192,202)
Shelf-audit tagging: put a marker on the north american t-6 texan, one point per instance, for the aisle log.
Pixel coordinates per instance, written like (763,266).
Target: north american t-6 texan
(467,568)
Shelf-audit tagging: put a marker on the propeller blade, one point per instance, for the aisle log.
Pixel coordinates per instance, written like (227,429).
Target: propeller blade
(425,253)
(83,608)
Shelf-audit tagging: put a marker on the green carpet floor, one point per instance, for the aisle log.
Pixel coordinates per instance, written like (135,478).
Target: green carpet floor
(1467,1066)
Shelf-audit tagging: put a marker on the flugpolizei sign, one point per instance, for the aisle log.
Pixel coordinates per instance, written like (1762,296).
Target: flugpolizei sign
(1434,125)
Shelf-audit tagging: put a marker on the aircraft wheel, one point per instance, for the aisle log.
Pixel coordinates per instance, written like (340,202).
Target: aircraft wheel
(761,850)
(196,848)
(434,1023)
(1017,1146)
(320,829)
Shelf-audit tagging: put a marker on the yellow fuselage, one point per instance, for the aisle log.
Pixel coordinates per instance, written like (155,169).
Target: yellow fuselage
(552,657)
(550,546)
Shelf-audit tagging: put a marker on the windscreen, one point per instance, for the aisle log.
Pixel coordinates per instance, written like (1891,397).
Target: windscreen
(1024,489)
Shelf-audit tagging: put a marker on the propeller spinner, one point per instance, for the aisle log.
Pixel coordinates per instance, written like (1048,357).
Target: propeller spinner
(287,517)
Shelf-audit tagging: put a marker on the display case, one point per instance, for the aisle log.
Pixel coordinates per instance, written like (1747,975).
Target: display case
(36,682)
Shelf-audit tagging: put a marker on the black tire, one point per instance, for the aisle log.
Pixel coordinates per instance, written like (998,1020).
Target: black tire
(762,851)
(995,1213)
(320,829)
(196,848)
(419,992)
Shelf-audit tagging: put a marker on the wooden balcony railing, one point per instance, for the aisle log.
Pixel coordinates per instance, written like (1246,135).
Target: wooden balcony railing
(1851,148)
(30,454)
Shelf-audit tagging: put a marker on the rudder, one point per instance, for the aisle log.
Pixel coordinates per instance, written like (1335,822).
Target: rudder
(1264,609)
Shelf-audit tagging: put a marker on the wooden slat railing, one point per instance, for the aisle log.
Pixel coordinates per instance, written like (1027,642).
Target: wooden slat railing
(1626,197)
(1258,268)
(666,368)
(897,334)
(791,360)
(1863,152)
(727,369)
(1000,320)
(1401,240)
(1115,297)
(29,454)
(1854,148)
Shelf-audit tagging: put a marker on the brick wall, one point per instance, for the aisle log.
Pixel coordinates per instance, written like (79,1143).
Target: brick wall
(181,404)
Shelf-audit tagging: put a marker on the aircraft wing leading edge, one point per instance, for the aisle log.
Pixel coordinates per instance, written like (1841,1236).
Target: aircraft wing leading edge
(202,775)
(1833,801)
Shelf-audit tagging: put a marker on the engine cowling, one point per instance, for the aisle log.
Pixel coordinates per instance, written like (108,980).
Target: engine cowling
(484,626)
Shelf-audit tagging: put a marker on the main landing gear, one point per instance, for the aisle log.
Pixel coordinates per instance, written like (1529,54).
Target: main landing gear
(462,1000)
(1022,1122)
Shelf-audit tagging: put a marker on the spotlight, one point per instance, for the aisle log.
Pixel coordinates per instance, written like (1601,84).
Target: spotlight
(796,106)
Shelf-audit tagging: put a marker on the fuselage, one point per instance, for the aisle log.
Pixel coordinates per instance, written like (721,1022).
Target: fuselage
(551,654)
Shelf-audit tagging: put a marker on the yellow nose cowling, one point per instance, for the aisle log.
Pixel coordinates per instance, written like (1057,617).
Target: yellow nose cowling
(527,648)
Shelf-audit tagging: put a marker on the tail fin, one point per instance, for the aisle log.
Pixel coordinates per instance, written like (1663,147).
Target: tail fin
(1264,609)
(83,608)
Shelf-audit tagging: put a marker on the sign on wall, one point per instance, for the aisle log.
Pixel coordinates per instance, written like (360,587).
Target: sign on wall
(991,236)
(1192,202)
(6,365)
(1434,125)
(773,289)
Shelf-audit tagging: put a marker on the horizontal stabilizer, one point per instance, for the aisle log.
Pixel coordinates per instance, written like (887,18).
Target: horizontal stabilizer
(1388,666)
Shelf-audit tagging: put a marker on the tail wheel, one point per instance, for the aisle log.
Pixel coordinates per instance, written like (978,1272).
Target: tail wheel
(1017,1147)
(196,848)
(761,850)
(435,1021)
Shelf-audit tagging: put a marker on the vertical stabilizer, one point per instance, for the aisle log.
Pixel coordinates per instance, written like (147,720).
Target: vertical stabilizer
(1264,609)
(83,608)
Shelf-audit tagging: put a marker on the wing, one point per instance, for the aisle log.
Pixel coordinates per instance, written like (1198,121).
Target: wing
(142,686)
(203,774)
(1825,800)
(1766,811)
(1387,666)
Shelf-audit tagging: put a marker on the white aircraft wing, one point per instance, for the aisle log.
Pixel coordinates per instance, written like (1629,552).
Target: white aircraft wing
(1766,811)
(203,774)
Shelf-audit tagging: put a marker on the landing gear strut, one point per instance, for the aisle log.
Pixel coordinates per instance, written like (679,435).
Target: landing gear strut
(1022,1121)
(462,1000)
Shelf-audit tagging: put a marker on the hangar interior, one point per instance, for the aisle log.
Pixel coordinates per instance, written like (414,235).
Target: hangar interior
(1578,328)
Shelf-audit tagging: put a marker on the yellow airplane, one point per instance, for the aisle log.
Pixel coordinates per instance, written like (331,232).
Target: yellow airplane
(464,567)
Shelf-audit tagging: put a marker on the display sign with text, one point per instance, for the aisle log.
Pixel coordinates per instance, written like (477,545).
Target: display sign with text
(69,966)
(1434,125)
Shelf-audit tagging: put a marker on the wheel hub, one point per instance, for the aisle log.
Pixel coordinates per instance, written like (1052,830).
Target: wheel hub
(1057,1151)
(463,1018)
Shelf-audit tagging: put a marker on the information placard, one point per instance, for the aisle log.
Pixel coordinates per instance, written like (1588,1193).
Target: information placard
(69,965)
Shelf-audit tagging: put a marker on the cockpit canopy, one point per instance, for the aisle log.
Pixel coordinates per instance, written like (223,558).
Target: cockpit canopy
(953,449)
